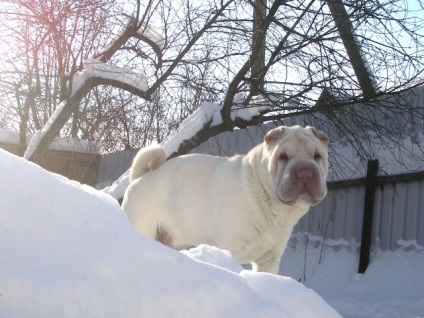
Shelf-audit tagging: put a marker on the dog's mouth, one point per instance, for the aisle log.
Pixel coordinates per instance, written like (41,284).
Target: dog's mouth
(304,198)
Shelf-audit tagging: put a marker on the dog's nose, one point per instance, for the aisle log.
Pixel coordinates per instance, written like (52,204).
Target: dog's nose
(304,174)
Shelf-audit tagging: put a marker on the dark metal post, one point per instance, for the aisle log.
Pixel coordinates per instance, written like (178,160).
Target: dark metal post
(371,183)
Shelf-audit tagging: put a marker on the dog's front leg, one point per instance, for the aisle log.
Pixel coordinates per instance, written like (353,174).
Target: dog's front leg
(269,262)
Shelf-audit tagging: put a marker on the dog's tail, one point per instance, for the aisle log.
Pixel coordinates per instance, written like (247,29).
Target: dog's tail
(147,159)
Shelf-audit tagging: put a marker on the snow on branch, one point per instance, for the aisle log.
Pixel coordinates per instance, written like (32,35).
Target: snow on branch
(96,69)
(95,73)
(151,36)
(117,41)
(38,136)
(209,115)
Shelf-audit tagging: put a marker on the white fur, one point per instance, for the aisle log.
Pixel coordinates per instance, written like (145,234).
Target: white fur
(232,203)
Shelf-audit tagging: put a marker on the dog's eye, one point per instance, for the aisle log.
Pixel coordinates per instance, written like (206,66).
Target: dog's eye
(284,157)
(317,156)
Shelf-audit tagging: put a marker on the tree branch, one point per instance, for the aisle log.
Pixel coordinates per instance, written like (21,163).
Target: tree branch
(256,51)
(192,42)
(41,141)
(128,32)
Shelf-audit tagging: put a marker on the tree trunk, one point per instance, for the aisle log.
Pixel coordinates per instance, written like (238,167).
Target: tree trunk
(345,29)
(257,67)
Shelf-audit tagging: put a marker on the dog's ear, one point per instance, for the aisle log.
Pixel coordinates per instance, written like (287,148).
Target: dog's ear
(320,135)
(274,134)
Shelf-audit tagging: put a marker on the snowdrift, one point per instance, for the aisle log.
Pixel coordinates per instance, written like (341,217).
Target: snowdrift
(67,250)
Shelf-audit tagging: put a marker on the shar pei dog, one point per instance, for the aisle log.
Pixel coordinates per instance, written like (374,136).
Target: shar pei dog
(246,204)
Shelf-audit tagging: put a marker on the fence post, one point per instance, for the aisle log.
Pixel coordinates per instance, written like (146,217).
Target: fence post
(371,183)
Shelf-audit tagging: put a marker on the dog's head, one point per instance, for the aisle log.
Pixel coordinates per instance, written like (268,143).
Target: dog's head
(297,164)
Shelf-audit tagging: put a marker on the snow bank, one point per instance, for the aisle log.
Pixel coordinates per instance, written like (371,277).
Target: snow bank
(69,251)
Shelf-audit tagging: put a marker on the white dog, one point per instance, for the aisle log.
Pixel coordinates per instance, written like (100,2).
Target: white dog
(247,204)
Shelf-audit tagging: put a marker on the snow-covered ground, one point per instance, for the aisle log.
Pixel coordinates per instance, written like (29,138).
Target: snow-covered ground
(68,251)
(392,286)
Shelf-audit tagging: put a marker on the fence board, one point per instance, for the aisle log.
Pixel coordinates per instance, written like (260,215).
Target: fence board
(420,215)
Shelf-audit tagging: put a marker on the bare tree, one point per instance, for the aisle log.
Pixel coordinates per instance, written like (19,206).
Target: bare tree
(45,42)
(130,48)
(326,54)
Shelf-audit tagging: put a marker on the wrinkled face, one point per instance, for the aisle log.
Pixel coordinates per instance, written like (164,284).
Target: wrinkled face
(298,164)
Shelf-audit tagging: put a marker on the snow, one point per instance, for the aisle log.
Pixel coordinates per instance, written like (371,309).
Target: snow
(93,68)
(391,287)
(215,256)
(409,244)
(96,68)
(257,105)
(152,35)
(68,250)
(205,114)
(209,114)
(10,137)
(33,144)
(193,61)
